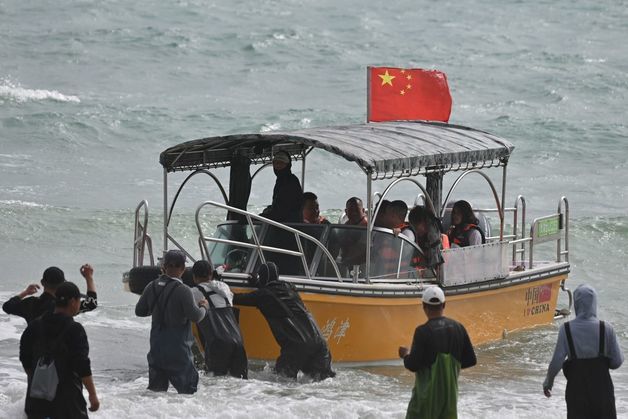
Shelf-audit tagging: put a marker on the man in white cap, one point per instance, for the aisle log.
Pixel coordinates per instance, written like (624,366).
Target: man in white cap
(440,348)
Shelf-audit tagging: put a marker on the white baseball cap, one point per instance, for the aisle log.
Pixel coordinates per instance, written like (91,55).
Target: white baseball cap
(433,296)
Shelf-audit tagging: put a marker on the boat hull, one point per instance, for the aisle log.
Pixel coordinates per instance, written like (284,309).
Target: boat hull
(367,330)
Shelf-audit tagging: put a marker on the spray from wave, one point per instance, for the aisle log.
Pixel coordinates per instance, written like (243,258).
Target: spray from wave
(17,93)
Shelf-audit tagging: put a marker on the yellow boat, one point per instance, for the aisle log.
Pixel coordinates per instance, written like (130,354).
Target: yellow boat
(366,308)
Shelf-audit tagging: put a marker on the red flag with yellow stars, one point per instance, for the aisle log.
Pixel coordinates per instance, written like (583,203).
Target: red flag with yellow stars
(397,94)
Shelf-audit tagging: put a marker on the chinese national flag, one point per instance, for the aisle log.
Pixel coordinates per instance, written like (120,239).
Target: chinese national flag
(407,94)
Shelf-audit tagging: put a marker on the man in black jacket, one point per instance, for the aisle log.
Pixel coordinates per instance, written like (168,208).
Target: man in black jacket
(303,347)
(65,340)
(33,307)
(287,195)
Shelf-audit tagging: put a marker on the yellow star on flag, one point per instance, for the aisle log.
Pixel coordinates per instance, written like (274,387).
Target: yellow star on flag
(409,77)
(403,92)
(386,78)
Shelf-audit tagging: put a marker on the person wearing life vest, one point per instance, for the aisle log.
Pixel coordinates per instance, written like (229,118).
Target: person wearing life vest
(311,210)
(464,230)
(586,349)
(428,237)
(303,347)
(219,329)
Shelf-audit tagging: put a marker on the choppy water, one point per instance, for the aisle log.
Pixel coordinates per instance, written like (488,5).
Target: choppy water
(92,91)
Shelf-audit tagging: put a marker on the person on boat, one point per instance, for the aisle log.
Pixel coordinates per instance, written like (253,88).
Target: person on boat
(287,195)
(382,217)
(172,306)
(440,348)
(58,336)
(224,348)
(428,237)
(397,215)
(32,307)
(464,230)
(354,210)
(586,349)
(303,347)
(311,211)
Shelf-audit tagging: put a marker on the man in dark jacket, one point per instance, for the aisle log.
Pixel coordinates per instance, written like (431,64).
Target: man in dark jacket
(303,347)
(172,306)
(586,349)
(440,348)
(287,195)
(33,307)
(59,336)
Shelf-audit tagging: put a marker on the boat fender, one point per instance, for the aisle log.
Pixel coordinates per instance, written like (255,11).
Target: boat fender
(141,276)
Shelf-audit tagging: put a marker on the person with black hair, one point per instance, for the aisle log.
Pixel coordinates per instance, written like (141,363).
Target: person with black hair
(303,347)
(219,329)
(32,307)
(57,335)
(311,210)
(428,237)
(465,229)
(173,308)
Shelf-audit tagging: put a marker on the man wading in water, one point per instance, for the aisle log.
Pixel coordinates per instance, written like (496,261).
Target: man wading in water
(172,306)
(591,348)
(440,348)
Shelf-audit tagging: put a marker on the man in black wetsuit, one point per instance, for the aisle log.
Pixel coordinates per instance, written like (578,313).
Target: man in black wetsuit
(590,348)
(33,307)
(303,347)
(219,329)
(440,348)
(59,335)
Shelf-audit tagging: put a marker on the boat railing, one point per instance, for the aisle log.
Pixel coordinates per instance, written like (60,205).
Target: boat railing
(141,238)
(257,244)
(554,227)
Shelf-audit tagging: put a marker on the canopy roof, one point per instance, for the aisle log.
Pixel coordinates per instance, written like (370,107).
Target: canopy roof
(383,149)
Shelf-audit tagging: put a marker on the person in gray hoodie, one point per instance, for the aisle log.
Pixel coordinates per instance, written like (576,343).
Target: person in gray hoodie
(590,348)
(173,308)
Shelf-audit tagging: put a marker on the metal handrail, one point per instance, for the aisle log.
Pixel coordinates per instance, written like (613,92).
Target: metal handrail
(260,248)
(141,238)
(521,250)
(565,218)
(499,204)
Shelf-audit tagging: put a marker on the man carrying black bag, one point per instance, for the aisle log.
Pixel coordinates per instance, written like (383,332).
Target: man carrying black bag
(219,330)
(55,355)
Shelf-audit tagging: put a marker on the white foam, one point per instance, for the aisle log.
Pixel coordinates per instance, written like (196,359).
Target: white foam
(11,91)
(19,203)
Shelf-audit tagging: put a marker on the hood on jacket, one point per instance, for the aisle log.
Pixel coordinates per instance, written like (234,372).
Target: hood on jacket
(585,301)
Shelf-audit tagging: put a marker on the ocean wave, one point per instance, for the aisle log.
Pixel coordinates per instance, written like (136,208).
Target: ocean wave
(18,203)
(10,91)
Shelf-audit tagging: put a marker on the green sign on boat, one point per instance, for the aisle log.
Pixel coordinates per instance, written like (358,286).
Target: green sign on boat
(547,228)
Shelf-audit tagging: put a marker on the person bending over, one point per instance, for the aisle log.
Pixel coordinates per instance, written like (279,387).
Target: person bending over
(303,347)
(219,329)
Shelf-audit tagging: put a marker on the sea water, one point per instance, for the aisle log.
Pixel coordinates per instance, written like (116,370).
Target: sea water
(92,91)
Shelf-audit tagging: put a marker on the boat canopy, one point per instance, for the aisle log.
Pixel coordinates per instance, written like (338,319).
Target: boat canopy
(383,149)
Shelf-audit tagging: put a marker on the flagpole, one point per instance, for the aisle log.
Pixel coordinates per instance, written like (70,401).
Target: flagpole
(368,93)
